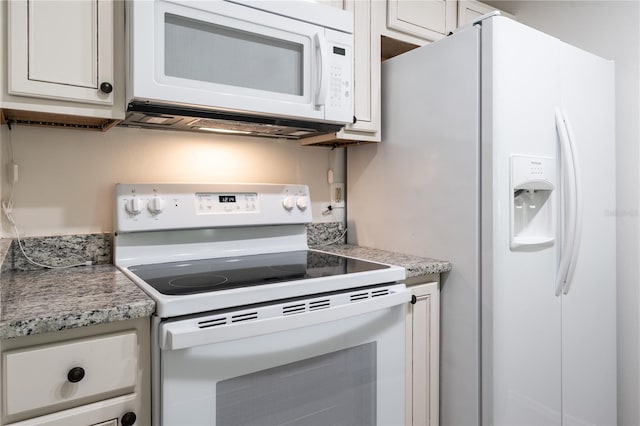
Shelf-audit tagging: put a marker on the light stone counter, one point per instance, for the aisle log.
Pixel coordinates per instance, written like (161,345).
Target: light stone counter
(33,302)
(414,265)
(5,245)
(48,300)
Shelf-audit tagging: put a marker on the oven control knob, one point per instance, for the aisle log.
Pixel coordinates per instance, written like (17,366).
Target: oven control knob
(134,205)
(301,202)
(156,204)
(287,202)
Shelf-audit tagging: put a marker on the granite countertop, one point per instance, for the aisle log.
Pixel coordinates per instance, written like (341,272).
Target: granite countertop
(414,265)
(49,300)
(33,302)
(5,244)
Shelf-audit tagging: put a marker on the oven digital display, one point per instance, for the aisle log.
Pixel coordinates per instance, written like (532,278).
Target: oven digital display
(226,203)
(227,198)
(339,51)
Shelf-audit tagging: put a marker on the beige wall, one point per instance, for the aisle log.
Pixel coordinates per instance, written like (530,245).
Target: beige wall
(66,177)
(611,29)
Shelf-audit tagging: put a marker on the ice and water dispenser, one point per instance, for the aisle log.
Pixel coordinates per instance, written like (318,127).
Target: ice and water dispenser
(532,217)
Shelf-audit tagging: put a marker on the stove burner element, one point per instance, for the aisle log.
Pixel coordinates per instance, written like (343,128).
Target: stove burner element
(197,280)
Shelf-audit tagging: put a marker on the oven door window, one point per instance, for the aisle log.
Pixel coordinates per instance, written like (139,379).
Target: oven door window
(348,371)
(323,390)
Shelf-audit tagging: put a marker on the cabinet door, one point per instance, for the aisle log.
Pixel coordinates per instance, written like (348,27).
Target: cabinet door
(429,20)
(423,336)
(366,77)
(61,49)
(468,10)
(366,74)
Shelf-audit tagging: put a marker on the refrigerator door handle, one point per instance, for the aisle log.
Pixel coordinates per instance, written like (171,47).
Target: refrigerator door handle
(578,208)
(573,205)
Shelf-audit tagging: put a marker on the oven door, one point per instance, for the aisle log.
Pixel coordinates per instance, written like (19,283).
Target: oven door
(336,359)
(227,56)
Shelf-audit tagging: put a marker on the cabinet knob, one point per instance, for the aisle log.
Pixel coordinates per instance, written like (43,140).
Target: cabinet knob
(106,87)
(414,299)
(354,119)
(75,374)
(128,418)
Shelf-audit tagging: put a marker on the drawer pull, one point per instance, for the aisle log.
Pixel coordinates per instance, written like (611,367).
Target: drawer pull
(75,374)
(128,418)
(106,87)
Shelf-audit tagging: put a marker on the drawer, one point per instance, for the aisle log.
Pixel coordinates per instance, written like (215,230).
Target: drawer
(102,413)
(61,373)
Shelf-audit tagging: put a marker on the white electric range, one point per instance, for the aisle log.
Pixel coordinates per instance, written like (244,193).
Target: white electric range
(242,299)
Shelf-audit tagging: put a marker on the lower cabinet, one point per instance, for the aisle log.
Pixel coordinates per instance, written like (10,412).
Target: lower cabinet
(422,354)
(95,375)
(119,411)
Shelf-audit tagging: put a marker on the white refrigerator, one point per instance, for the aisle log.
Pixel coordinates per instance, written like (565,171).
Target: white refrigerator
(498,155)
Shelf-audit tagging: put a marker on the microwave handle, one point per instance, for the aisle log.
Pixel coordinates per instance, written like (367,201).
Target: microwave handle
(323,64)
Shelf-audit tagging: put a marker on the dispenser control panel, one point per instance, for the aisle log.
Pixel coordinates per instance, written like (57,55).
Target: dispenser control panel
(533,172)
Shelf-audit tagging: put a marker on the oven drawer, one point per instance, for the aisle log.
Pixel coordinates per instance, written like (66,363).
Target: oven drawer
(77,370)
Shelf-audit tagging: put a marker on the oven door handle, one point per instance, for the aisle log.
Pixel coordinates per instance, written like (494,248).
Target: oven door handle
(201,331)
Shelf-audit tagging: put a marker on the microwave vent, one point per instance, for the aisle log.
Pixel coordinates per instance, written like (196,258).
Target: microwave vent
(144,114)
(236,126)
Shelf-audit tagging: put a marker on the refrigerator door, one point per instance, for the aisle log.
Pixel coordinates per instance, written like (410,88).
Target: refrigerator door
(521,315)
(417,192)
(589,295)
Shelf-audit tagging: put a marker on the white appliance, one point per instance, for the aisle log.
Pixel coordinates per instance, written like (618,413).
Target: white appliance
(498,155)
(252,327)
(263,68)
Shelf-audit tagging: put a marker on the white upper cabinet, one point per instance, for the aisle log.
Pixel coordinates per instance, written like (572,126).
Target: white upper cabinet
(62,50)
(64,62)
(366,77)
(426,19)
(468,10)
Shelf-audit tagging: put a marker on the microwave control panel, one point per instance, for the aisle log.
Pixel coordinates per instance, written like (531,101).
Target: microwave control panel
(339,97)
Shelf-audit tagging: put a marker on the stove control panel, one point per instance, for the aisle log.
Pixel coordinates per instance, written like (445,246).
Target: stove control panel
(164,206)
(226,202)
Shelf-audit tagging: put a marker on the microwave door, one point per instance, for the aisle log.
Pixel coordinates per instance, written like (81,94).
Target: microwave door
(234,58)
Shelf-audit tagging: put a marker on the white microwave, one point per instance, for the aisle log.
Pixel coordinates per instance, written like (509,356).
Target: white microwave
(264,67)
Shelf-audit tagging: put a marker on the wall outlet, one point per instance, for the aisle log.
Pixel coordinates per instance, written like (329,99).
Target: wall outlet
(337,195)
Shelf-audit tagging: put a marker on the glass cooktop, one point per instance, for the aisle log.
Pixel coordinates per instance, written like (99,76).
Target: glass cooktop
(206,275)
